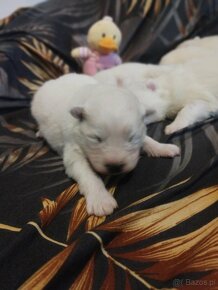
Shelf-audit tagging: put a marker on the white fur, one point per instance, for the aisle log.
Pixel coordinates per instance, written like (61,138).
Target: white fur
(94,126)
(192,49)
(187,86)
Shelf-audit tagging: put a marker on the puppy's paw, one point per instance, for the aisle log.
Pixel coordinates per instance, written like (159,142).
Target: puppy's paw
(164,150)
(169,150)
(100,204)
(174,127)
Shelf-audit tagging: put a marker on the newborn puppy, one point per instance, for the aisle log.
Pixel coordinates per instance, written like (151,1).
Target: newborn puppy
(185,85)
(191,49)
(96,129)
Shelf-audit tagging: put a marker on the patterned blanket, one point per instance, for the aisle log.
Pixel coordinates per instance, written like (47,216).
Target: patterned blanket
(164,235)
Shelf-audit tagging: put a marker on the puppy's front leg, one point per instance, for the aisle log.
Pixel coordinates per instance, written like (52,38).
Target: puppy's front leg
(156,149)
(98,200)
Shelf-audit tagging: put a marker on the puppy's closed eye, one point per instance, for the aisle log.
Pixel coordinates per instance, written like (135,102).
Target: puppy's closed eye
(95,138)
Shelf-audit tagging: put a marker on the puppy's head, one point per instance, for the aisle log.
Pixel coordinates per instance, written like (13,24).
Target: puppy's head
(110,128)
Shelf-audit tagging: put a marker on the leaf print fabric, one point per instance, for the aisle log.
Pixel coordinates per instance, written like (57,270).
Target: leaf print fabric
(164,234)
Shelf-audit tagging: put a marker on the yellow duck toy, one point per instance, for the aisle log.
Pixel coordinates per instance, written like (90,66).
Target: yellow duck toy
(104,38)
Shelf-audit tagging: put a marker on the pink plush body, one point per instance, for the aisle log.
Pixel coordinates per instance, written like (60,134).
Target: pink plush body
(94,62)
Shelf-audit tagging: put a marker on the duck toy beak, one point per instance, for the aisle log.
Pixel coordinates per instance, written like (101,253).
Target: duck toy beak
(107,45)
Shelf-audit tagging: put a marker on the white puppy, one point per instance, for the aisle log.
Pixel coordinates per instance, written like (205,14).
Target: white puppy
(189,50)
(96,128)
(188,88)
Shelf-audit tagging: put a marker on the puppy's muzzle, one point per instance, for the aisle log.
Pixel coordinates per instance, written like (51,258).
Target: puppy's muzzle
(113,168)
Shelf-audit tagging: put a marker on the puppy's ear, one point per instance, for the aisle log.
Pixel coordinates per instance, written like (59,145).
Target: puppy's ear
(78,113)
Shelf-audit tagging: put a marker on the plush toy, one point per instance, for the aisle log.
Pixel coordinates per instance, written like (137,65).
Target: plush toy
(103,39)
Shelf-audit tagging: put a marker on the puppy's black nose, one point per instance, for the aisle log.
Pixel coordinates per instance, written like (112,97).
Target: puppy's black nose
(114,168)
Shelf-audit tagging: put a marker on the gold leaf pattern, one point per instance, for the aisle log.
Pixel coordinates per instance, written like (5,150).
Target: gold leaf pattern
(127,283)
(120,265)
(157,7)
(52,208)
(167,2)
(146,223)
(67,194)
(191,9)
(79,214)
(29,131)
(172,255)
(42,277)
(157,193)
(33,86)
(37,71)
(11,127)
(5,21)
(44,52)
(51,66)
(94,221)
(35,151)
(132,5)
(12,158)
(109,281)
(20,151)
(85,279)
(147,5)
(49,211)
